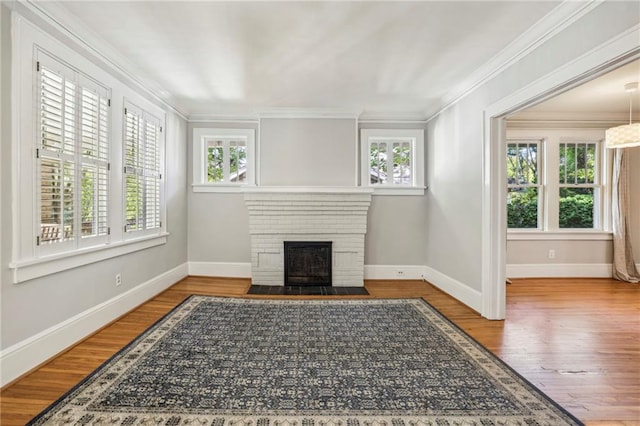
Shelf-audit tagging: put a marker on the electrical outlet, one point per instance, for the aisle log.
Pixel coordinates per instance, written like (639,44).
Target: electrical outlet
(399,273)
(118,280)
(552,254)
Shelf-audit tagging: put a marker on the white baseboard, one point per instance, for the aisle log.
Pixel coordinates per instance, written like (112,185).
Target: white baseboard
(221,269)
(22,357)
(454,288)
(393,272)
(559,270)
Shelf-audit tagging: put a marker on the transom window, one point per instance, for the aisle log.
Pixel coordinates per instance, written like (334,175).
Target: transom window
(392,160)
(555,184)
(223,159)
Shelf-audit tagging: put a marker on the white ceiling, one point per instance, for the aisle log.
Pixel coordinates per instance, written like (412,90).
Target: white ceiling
(238,58)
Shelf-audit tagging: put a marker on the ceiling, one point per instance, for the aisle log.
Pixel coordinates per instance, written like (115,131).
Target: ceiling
(238,58)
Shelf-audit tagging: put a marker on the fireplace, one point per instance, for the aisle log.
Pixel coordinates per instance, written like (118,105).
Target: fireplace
(307,263)
(278,214)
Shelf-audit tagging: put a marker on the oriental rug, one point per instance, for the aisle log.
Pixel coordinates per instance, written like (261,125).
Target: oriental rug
(367,362)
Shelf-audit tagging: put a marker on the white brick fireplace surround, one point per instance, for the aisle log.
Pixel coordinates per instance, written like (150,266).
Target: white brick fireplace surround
(281,214)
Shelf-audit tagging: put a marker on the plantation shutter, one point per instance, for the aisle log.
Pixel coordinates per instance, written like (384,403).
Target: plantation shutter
(142,170)
(73,157)
(56,154)
(95,164)
(152,175)
(132,171)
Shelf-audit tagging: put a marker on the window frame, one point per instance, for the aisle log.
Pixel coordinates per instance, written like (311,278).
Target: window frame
(541,144)
(416,139)
(27,262)
(599,210)
(46,63)
(146,118)
(201,136)
(551,140)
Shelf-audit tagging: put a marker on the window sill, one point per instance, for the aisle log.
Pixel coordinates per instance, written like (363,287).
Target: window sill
(35,268)
(203,187)
(537,235)
(400,190)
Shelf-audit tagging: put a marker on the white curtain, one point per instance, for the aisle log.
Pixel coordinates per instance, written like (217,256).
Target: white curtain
(624,267)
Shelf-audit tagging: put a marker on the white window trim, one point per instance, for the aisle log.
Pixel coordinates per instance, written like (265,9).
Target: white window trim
(416,136)
(568,235)
(26,263)
(200,136)
(35,268)
(550,159)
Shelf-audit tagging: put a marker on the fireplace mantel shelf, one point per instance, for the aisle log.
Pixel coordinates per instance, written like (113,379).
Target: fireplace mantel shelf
(308,189)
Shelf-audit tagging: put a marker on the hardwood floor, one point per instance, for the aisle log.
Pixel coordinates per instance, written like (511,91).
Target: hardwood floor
(578,340)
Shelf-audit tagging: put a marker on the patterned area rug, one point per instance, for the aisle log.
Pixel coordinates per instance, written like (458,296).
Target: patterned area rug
(223,361)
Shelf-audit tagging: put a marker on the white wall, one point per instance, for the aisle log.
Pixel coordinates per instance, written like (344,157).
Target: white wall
(31,309)
(308,152)
(326,148)
(455,143)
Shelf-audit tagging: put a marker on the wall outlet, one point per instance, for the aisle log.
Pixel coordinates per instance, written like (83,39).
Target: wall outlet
(552,254)
(399,273)
(118,280)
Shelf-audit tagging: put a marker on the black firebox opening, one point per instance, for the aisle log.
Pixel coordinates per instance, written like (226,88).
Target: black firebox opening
(307,263)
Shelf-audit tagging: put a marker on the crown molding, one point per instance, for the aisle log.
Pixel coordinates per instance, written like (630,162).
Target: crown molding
(309,113)
(392,117)
(550,25)
(59,19)
(364,118)
(223,118)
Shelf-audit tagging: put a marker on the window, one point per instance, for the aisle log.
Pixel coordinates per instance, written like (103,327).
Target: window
(579,185)
(223,159)
(72,158)
(555,183)
(142,170)
(68,177)
(524,190)
(226,160)
(392,160)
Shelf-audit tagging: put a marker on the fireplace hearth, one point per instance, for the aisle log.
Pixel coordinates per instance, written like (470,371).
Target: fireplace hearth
(307,263)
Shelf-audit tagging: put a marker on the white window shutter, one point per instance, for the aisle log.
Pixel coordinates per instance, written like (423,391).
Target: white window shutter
(142,171)
(58,133)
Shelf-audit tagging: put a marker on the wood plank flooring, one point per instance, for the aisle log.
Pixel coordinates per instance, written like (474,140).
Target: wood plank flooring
(578,340)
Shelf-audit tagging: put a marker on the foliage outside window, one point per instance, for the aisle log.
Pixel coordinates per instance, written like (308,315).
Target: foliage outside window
(571,190)
(73,157)
(223,159)
(227,160)
(392,160)
(142,170)
(390,155)
(577,182)
(523,184)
